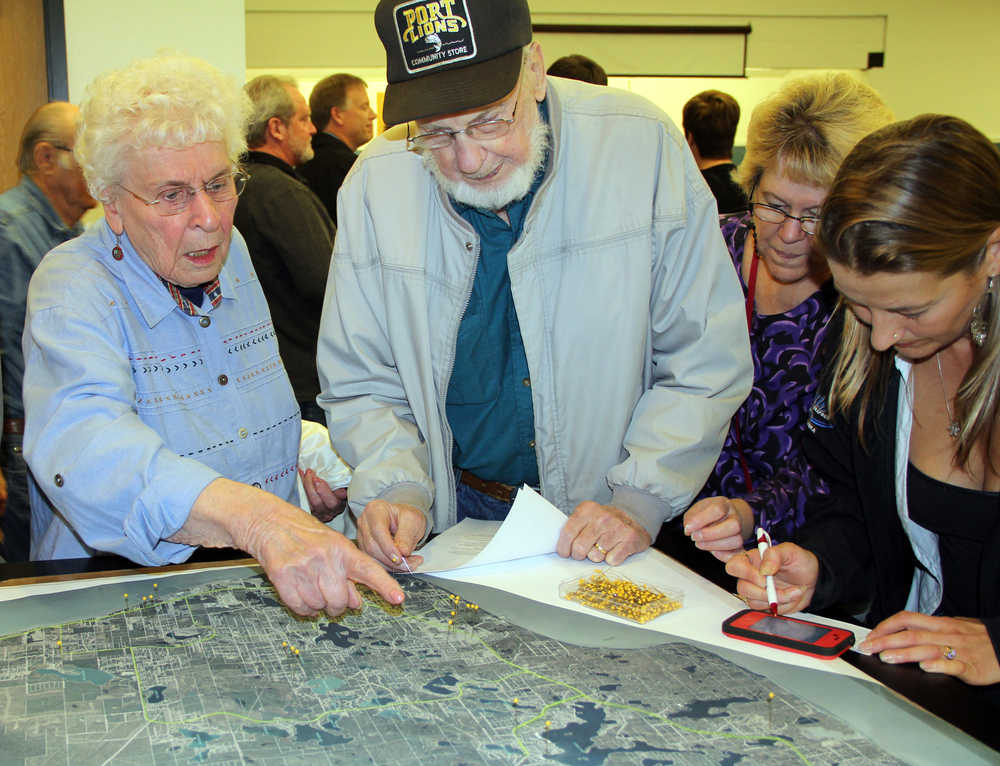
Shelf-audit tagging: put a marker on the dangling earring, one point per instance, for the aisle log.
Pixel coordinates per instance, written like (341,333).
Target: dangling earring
(116,251)
(978,328)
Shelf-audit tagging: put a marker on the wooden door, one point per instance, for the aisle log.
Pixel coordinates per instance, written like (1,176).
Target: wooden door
(23,77)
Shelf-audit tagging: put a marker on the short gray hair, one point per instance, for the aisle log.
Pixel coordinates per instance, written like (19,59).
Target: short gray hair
(270,97)
(167,101)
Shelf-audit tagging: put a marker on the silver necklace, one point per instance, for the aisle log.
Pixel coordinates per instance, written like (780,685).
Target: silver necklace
(954,429)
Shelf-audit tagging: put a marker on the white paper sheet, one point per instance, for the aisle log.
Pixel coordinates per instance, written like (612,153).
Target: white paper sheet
(520,558)
(531,529)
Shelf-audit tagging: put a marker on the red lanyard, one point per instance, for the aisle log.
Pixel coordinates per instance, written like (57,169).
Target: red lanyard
(751,289)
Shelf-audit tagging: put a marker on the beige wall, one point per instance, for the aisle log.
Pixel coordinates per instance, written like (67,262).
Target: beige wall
(938,56)
(107,34)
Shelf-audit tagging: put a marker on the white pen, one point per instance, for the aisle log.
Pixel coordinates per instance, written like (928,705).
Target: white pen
(763,543)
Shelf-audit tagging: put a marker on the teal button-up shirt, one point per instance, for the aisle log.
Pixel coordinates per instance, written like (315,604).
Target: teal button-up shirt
(489,395)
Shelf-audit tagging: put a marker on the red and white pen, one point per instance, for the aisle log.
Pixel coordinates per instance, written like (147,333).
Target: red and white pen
(763,543)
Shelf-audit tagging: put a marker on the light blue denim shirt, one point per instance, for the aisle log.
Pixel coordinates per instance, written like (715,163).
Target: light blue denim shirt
(133,407)
(29,228)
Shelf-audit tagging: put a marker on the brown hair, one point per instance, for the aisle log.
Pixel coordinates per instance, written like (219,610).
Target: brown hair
(711,118)
(918,196)
(330,92)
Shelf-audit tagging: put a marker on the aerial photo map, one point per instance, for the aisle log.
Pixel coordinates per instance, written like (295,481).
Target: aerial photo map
(221,673)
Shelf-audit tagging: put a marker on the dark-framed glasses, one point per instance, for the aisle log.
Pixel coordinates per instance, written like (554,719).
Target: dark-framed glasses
(173,200)
(487,130)
(770,214)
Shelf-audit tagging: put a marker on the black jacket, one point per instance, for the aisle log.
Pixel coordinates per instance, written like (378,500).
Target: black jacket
(866,562)
(326,171)
(290,238)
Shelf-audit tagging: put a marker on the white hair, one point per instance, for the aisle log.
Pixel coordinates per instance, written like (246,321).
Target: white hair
(169,101)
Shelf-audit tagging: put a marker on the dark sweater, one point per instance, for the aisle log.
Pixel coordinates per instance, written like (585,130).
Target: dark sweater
(728,195)
(326,171)
(290,238)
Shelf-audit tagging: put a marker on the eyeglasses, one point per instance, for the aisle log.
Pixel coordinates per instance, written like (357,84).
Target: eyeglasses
(175,199)
(770,214)
(488,130)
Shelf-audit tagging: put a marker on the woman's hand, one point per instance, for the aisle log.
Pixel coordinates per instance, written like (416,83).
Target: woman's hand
(719,525)
(958,646)
(325,503)
(794,569)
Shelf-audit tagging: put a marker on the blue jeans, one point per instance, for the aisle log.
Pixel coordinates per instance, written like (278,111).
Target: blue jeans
(16,519)
(473,504)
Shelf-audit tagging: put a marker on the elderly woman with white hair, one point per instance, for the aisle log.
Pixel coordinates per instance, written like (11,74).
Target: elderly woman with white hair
(159,416)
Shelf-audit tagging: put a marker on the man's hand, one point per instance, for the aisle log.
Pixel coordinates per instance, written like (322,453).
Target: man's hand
(601,533)
(390,532)
(325,503)
(719,525)
(313,568)
(795,571)
(958,646)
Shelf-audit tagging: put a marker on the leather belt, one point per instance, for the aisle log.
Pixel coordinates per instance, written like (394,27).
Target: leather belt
(13,426)
(494,489)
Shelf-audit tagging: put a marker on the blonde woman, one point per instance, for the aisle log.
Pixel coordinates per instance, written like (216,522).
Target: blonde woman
(795,142)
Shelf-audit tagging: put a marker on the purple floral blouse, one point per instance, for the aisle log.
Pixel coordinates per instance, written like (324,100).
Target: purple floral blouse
(786,360)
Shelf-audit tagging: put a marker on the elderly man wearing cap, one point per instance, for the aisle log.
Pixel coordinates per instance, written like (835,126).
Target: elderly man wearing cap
(528,286)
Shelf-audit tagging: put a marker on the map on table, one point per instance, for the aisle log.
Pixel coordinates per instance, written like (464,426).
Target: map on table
(222,673)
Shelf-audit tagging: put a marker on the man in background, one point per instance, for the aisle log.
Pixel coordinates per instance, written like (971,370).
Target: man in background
(287,229)
(344,120)
(710,121)
(578,67)
(42,211)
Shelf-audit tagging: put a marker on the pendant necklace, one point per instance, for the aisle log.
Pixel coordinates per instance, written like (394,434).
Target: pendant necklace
(954,429)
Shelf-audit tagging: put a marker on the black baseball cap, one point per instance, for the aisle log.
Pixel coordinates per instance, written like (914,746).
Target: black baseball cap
(446,56)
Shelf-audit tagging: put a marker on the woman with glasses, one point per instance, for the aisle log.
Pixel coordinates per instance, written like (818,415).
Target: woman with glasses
(795,143)
(158,413)
(909,439)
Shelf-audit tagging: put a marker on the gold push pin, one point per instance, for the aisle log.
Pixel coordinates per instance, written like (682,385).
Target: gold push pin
(58,643)
(770,710)
(126,600)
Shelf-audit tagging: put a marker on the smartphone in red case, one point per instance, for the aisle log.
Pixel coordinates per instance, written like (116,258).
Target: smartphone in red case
(789,633)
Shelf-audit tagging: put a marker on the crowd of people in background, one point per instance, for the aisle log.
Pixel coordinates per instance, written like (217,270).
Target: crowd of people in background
(528,279)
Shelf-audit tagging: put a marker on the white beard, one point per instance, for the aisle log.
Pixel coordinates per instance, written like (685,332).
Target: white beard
(497,197)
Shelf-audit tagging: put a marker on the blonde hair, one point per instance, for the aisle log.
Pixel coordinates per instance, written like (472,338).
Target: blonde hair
(808,126)
(168,101)
(919,196)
